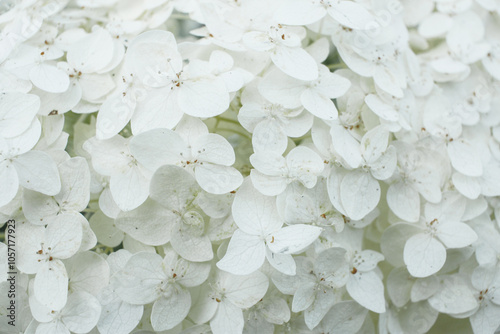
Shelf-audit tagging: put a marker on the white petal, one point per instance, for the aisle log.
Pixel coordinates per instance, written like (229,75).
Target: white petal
(280,88)
(268,185)
(88,272)
(456,235)
(113,115)
(380,108)
(295,62)
(17,111)
(304,297)
(37,171)
(346,145)
(245,254)
(268,136)
(345,317)
(49,78)
(293,239)
(367,289)
(81,313)
(137,283)
(170,310)
(227,319)
(191,246)
(322,303)
(351,15)
(203,97)
(64,235)
(255,213)
(158,147)
(467,185)
(404,201)
(486,319)
(299,12)
(93,52)
(107,158)
(454,296)
(359,193)
(318,104)
(131,189)
(245,291)
(75,184)
(159,109)
(464,157)
(119,318)
(9,181)
(217,179)
(424,255)
(51,285)
(393,242)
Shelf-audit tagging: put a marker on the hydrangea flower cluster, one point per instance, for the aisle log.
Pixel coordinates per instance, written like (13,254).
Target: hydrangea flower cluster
(250,166)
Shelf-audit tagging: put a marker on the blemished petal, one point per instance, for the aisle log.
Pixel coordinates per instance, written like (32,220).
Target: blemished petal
(424,255)
(245,254)
(293,239)
(213,148)
(51,285)
(63,235)
(218,179)
(284,263)
(171,309)
(295,62)
(173,187)
(37,171)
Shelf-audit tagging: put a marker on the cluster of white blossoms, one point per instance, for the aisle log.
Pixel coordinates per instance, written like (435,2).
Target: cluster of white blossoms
(250,166)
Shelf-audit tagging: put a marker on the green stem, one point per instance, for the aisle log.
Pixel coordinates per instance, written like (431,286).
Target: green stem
(227,120)
(235,132)
(336,66)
